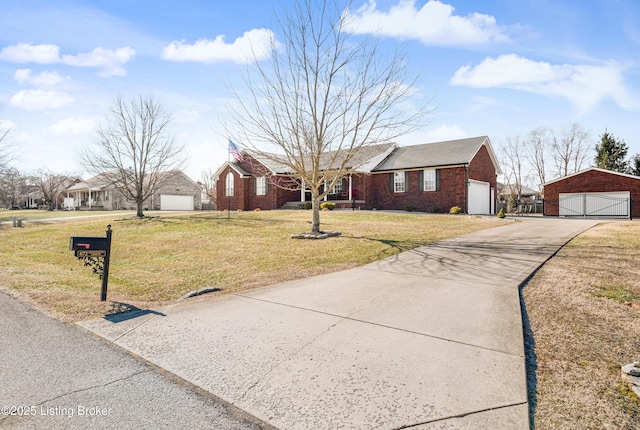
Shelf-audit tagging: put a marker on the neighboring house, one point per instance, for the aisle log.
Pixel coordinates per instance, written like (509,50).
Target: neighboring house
(593,193)
(176,191)
(431,177)
(31,195)
(527,195)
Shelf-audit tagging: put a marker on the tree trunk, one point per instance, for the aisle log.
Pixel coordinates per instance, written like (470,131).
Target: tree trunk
(315,208)
(139,213)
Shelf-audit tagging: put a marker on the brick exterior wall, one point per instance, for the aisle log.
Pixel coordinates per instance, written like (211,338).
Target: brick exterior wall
(591,181)
(245,197)
(451,193)
(481,168)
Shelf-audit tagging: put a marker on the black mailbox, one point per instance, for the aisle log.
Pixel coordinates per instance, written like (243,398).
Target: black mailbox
(88,246)
(79,243)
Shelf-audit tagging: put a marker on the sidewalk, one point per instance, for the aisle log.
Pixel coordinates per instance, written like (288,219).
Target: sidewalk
(428,339)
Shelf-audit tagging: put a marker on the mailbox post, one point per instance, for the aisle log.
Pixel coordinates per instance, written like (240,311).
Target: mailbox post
(96,253)
(105,271)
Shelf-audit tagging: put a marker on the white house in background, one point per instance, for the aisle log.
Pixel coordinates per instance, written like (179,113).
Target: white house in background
(176,191)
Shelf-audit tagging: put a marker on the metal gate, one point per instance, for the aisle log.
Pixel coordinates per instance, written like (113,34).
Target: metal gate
(614,205)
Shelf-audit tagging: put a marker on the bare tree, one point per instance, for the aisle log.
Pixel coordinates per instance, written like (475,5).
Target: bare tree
(513,162)
(538,145)
(135,149)
(209,185)
(571,150)
(11,184)
(323,97)
(50,184)
(6,155)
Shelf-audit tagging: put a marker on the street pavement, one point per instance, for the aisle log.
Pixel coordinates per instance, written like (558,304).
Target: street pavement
(59,376)
(428,339)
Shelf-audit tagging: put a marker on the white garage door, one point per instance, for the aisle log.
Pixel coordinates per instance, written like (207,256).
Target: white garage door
(615,204)
(479,197)
(169,202)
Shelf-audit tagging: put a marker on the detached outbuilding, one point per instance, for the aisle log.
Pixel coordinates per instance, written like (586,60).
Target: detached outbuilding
(593,193)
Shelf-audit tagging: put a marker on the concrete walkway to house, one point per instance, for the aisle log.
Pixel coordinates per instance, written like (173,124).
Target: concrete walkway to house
(428,339)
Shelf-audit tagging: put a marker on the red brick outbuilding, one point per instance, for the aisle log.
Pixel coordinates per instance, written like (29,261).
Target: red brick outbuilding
(593,193)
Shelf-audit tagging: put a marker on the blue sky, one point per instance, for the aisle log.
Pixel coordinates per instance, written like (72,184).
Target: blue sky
(496,68)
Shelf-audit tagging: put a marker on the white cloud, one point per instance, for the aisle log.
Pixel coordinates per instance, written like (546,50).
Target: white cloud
(29,53)
(583,85)
(44,79)
(75,126)
(40,99)
(433,24)
(254,43)
(110,61)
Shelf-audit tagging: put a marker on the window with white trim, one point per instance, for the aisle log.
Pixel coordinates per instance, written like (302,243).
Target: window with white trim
(398,182)
(261,186)
(338,188)
(430,180)
(229,185)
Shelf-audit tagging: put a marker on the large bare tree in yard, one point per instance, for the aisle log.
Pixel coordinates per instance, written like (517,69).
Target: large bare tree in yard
(135,148)
(323,96)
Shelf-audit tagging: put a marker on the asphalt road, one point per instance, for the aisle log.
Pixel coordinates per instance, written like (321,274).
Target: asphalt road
(59,376)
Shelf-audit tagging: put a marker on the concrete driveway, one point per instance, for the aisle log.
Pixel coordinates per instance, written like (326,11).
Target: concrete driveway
(428,339)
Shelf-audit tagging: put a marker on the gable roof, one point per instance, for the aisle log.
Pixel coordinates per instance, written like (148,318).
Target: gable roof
(101,182)
(233,165)
(593,169)
(448,153)
(364,160)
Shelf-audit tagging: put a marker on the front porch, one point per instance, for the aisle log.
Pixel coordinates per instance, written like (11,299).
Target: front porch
(87,200)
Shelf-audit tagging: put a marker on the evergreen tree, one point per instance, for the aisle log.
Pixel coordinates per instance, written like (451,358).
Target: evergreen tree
(634,165)
(611,153)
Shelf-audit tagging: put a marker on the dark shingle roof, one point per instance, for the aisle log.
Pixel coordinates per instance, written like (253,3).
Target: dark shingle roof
(447,153)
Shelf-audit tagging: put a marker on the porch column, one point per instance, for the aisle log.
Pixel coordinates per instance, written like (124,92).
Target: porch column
(89,198)
(302,191)
(325,188)
(350,186)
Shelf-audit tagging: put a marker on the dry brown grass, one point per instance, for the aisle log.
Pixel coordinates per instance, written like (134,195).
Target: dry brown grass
(584,311)
(157,260)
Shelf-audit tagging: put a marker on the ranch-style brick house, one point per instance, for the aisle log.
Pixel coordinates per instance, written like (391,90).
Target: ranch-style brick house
(431,177)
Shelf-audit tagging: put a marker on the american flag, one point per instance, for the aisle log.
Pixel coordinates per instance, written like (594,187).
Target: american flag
(235,152)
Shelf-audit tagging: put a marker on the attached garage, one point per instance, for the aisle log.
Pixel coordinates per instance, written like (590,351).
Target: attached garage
(171,202)
(479,197)
(593,193)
